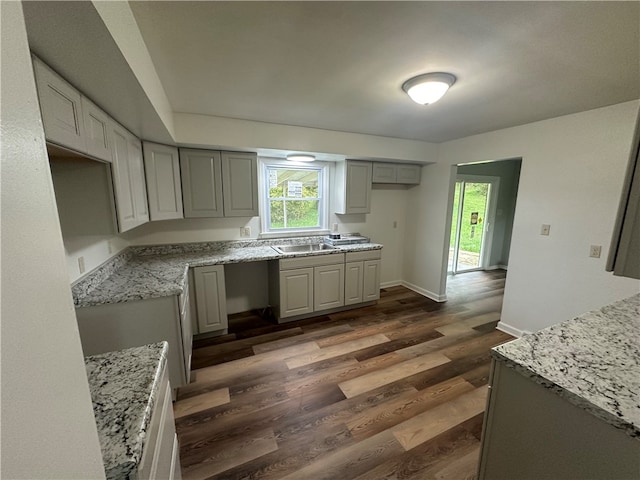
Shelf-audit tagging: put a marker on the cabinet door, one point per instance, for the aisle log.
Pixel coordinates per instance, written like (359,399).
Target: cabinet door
(138,184)
(162,170)
(371,283)
(384,173)
(353,283)
(121,178)
(328,287)
(61,109)
(358,187)
(240,184)
(211,298)
(96,127)
(128,179)
(201,183)
(296,292)
(408,174)
(186,329)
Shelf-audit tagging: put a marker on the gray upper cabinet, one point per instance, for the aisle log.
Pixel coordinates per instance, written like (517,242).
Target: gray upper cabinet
(128,178)
(352,187)
(201,183)
(61,108)
(96,127)
(624,254)
(162,170)
(240,184)
(70,119)
(402,173)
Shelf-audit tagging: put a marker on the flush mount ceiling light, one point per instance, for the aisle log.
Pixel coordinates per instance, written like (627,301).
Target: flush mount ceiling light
(428,88)
(300,157)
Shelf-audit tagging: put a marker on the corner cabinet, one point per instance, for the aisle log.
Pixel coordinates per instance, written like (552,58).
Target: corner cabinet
(116,326)
(162,171)
(128,178)
(352,187)
(211,303)
(70,119)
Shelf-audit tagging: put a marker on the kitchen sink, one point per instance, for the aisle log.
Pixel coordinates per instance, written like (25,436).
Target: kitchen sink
(316,247)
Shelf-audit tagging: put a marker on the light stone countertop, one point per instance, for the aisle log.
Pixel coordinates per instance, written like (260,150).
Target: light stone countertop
(593,361)
(124,389)
(149,272)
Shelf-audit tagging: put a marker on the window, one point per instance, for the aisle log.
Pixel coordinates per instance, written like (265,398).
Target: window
(294,197)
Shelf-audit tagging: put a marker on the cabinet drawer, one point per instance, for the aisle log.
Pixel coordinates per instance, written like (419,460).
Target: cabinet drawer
(314,261)
(364,255)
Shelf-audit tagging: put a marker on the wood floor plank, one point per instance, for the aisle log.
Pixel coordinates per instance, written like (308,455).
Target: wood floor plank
(392,413)
(201,402)
(372,380)
(359,457)
(464,468)
(360,387)
(335,350)
(433,422)
(241,451)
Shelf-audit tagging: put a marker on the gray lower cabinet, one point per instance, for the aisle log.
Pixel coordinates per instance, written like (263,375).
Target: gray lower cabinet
(116,326)
(328,287)
(160,455)
(303,286)
(296,292)
(532,433)
(211,299)
(362,276)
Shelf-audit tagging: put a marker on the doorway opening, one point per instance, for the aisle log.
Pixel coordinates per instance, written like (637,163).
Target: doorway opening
(483,203)
(474,211)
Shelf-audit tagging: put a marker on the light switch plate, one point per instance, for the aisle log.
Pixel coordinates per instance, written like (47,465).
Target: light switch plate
(595,251)
(545,229)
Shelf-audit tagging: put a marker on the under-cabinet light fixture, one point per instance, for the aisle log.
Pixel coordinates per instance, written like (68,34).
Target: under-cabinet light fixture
(428,88)
(300,157)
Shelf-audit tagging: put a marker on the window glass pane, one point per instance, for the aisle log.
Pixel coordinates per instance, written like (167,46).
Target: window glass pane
(294,196)
(301,213)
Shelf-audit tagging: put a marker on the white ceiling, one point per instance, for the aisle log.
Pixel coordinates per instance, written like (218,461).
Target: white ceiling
(340,65)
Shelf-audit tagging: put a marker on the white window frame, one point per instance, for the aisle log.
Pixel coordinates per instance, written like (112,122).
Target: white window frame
(323,189)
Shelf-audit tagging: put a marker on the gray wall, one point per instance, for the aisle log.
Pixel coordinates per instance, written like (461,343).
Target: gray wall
(509,173)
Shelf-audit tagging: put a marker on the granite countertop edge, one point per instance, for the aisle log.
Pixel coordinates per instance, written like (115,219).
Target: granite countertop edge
(124,388)
(572,397)
(592,361)
(159,275)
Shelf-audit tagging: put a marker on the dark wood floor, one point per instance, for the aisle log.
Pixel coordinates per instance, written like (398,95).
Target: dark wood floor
(396,390)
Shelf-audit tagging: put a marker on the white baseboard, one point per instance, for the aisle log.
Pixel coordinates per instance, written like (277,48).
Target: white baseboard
(516,332)
(392,283)
(497,267)
(426,293)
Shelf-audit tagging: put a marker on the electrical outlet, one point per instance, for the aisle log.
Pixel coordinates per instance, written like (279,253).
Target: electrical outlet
(595,250)
(544,230)
(81,264)
(245,231)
